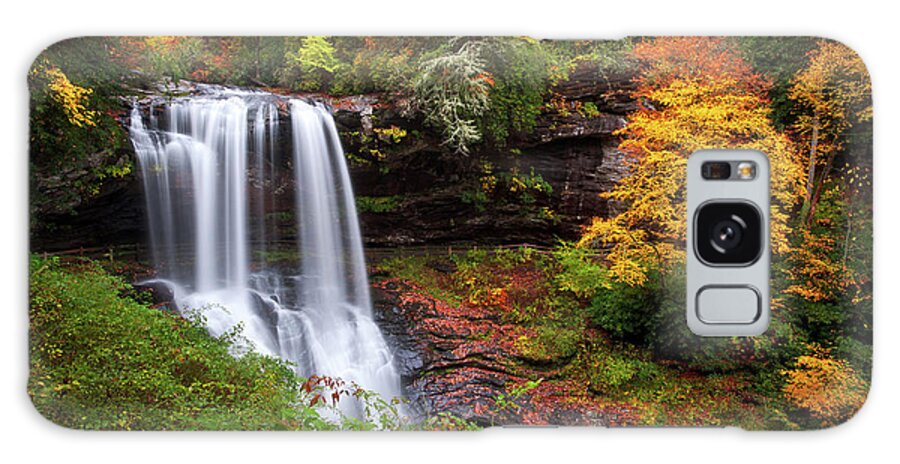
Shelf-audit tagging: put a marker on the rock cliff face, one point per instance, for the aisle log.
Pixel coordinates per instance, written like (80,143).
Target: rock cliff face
(424,194)
(574,152)
(114,215)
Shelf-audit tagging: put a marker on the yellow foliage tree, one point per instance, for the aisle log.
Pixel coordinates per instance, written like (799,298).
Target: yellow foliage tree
(833,97)
(834,94)
(814,275)
(694,93)
(826,387)
(72,98)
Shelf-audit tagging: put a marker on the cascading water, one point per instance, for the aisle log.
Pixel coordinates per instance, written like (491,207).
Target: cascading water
(208,223)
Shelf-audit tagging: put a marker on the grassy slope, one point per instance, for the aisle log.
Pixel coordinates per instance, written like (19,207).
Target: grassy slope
(101,360)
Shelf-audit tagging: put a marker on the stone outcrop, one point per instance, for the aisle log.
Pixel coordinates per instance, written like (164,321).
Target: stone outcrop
(62,219)
(430,188)
(575,152)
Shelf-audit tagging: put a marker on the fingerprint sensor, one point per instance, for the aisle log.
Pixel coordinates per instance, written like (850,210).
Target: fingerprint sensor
(723,304)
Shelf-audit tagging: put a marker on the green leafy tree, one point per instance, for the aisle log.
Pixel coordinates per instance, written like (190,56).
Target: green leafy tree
(311,65)
(520,68)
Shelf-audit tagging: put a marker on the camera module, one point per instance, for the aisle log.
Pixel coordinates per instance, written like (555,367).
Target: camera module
(728,233)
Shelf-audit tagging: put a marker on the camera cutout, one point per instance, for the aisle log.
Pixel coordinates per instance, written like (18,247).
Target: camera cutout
(728,204)
(728,233)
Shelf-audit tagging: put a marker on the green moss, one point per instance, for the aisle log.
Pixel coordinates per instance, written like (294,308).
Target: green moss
(416,269)
(274,256)
(476,198)
(553,344)
(589,110)
(377,204)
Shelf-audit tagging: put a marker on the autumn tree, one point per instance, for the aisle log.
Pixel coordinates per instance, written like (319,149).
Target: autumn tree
(829,389)
(72,129)
(833,95)
(256,59)
(693,93)
(71,98)
(829,276)
(171,56)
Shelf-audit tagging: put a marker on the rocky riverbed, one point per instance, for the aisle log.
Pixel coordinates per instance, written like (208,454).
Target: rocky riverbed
(462,360)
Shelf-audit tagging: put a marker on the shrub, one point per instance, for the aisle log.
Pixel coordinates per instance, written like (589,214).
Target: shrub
(524,188)
(74,134)
(613,373)
(377,64)
(589,110)
(857,353)
(377,204)
(477,198)
(169,56)
(626,311)
(606,57)
(829,389)
(581,272)
(94,351)
(673,340)
(520,67)
(552,343)
(510,188)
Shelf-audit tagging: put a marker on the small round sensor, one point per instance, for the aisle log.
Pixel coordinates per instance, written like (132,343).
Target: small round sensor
(746,170)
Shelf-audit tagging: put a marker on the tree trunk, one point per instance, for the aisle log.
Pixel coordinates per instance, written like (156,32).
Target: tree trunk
(813,146)
(813,188)
(258,46)
(819,185)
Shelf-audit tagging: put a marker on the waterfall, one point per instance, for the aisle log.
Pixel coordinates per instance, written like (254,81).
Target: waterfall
(208,165)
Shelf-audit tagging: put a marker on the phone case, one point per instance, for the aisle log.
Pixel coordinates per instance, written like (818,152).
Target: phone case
(435,233)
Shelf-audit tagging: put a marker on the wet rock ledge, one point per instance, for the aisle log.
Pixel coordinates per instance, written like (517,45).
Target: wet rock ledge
(460,360)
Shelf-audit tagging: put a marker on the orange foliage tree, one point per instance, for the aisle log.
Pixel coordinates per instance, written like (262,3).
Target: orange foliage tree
(826,387)
(208,59)
(694,93)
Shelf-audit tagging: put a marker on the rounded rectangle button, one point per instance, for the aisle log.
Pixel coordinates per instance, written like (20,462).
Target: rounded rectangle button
(728,304)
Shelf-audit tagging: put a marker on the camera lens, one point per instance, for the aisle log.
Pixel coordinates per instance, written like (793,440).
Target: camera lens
(728,233)
(716,170)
